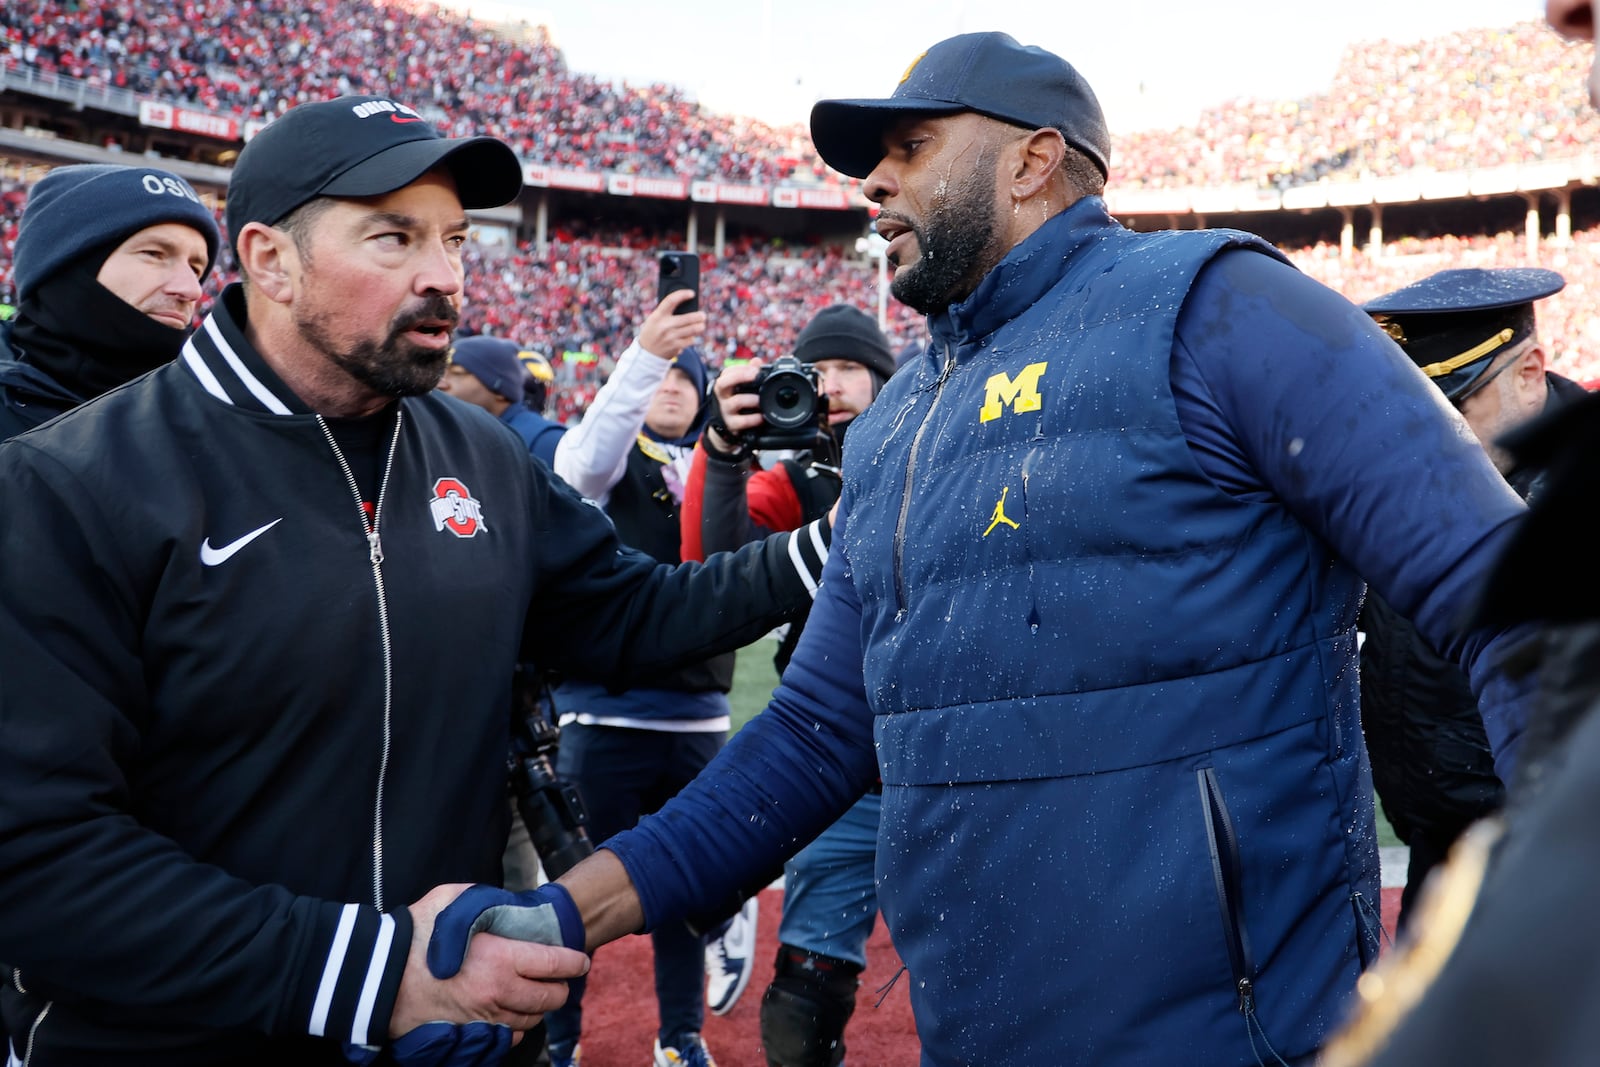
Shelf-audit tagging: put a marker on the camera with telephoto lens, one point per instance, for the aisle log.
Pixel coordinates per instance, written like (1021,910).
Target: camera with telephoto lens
(550,807)
(790,407)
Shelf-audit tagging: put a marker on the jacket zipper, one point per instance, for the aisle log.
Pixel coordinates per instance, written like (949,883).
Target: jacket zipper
(375,556)
(905,491)
(33,1028)
(1225,870)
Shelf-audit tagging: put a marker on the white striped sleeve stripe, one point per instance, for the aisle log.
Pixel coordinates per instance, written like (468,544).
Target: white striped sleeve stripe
(808,554)
(208,381)
(800,565)
(369,988)
(331,968)
(818,545)
(251,382)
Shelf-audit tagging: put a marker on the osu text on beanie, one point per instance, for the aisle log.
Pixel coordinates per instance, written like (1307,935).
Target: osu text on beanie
(84,207)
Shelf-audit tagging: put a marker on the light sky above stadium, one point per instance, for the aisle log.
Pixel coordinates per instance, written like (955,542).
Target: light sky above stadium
(1153,63)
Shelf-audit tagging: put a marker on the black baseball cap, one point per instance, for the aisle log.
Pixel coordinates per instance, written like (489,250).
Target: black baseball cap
(356,146)
(989,73)
(1454,322)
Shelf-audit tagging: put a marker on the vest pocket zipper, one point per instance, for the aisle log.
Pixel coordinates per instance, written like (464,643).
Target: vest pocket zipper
(1226,871)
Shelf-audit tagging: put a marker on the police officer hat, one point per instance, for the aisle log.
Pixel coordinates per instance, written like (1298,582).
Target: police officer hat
(1453,323)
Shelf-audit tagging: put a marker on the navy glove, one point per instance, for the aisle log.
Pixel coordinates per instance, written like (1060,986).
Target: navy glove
(546,915)
(477,1044)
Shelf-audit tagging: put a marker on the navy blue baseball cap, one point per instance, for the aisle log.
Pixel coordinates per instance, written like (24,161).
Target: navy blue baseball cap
(495,362)
(359,146)
(989,73)
(1453,323)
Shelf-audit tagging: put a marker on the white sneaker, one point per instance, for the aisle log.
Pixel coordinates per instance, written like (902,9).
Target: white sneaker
(693,1054)
(728,960)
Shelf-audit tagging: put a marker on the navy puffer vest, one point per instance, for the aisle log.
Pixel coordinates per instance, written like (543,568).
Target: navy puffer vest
(1126,814)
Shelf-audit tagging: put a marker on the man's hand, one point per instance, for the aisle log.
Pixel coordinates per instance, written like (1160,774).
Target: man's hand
(545,915)
(740,411)
(666,334)
(512,983)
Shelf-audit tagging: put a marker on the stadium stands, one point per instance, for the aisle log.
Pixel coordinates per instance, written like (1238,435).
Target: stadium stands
(1464,100)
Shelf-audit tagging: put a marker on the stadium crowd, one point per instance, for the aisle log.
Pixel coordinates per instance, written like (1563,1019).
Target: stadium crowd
(1461,100)
(1470,99)
(468,76)
(564,300)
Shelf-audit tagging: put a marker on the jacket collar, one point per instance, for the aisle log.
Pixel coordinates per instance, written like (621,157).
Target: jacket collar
(229,368)
(29,380)
(1023,277)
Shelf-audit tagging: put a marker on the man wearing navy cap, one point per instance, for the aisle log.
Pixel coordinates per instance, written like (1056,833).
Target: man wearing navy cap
(492,372)
(1474,334)
(109,264)
(259,614)
(1092,611)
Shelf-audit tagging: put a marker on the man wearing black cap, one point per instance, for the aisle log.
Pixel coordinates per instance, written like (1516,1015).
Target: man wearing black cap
(258,622)
(1473,333)
(108,265)
(1092,612)
(492,372)
(830,903)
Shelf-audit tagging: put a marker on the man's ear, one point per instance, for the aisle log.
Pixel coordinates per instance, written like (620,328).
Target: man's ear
(269,258)
(1036,161)
(1530,378)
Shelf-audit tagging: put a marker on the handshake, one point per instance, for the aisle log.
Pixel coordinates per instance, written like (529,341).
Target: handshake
(544,916)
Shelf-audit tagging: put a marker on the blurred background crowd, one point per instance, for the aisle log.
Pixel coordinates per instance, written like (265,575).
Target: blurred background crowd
(1459,101)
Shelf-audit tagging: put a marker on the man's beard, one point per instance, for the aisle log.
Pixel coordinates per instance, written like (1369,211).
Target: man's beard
(953,245)
(392,366)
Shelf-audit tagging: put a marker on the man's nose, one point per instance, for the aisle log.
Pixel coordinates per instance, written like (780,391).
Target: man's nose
(184,284)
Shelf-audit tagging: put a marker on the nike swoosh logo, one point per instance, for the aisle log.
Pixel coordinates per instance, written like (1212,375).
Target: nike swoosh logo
(213,556)
(401,118)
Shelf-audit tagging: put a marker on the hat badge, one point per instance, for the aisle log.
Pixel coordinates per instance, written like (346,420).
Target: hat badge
(1394,330)
(912,67)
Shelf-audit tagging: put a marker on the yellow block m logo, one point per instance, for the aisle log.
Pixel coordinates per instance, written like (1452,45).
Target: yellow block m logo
(1000,392)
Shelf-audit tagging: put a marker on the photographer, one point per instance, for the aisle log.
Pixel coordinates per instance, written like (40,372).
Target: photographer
(830,902)
(628,752)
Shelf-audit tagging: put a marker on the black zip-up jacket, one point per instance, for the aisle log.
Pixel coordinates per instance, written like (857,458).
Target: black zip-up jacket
(28,396)
(240,731)
(725,519)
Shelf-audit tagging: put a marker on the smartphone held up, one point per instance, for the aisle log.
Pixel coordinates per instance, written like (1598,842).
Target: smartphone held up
(679,270)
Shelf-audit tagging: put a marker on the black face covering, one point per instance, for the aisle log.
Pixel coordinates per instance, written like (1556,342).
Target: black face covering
(85,336)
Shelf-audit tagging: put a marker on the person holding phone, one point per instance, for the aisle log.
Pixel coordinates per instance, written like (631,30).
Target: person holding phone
(627,753)
(830,900)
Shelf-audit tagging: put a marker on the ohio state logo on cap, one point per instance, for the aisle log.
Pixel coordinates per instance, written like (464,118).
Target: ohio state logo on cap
(455,509)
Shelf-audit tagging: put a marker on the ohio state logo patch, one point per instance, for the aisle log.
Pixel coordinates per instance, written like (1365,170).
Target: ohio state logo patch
(454,508)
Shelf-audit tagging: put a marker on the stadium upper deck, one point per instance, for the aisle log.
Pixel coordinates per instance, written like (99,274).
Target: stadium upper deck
(1468,147)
